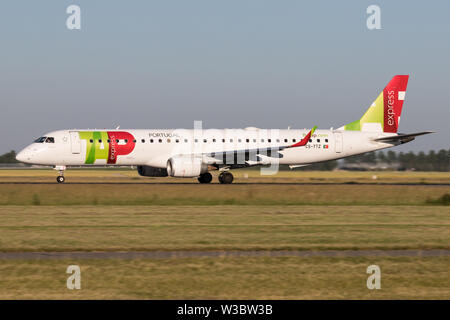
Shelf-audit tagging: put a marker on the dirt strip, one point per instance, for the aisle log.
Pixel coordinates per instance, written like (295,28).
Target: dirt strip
(212,254)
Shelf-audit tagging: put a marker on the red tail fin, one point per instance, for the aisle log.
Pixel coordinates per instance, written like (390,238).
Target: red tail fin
(394,95)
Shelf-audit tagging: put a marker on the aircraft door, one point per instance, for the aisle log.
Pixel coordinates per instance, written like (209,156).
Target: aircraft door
(338,142)
(75,142)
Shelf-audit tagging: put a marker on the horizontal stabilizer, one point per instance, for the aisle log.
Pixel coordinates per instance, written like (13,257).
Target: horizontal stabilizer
(402,138)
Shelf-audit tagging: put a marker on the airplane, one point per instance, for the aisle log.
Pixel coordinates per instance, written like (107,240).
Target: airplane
(194,153)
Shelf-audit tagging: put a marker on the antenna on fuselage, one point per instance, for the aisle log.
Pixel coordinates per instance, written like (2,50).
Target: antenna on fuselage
(117,127)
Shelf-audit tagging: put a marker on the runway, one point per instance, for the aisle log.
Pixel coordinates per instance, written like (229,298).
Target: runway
(235,183)
(223,254)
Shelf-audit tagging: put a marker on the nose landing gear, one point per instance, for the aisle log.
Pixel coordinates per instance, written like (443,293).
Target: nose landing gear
(60,178)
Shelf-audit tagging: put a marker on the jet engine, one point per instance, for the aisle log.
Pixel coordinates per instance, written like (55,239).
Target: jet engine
(148,171)
(185,167)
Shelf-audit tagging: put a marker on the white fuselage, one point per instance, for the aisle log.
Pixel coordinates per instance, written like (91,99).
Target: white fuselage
(155,147)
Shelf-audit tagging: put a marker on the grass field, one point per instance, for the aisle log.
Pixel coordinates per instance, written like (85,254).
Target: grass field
(112,228)
(225,278)
(111,211)
(210,195)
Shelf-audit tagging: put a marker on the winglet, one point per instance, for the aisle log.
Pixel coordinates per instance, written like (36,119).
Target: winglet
(305,140)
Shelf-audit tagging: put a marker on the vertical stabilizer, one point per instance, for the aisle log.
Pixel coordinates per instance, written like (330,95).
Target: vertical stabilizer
(384,113)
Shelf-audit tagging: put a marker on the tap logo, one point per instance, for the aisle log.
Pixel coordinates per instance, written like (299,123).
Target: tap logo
(107,145)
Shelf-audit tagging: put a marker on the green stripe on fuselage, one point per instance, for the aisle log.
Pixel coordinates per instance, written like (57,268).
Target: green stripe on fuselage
(95,150)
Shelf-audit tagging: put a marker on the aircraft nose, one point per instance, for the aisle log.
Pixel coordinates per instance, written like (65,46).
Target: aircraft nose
(23,156)
(20,156)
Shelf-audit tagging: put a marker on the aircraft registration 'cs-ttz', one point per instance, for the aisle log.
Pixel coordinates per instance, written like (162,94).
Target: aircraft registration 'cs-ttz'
(193,153)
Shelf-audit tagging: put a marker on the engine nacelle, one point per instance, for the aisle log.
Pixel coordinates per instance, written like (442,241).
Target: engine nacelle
(186,167)
(148,171)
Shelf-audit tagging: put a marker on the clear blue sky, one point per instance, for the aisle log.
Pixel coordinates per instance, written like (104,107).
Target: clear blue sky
(234,63)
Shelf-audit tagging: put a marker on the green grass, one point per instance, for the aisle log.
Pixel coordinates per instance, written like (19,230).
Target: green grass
(228,278)
(112,228)
(444,200)
(212,195)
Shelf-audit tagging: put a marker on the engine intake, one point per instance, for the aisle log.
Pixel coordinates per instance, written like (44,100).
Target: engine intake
(186,167)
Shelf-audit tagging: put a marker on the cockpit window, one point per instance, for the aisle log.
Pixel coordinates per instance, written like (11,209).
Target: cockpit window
(40,140)
(45,139)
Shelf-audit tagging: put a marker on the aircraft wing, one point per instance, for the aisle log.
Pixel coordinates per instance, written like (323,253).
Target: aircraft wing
(402,138)
(254,155)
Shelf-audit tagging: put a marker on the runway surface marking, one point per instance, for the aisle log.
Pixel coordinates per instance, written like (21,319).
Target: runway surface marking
(218,253)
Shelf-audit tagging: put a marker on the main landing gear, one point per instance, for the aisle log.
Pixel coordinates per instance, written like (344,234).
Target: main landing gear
(205,178)
(226,177)
(60,178)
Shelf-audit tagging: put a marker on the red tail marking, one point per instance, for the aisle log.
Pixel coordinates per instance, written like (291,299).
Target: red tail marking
(392,104)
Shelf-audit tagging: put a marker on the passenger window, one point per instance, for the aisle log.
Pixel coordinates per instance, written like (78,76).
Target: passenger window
(254,140)
(117,140)
(196,140)
(126,140)
(204,140)
(318,140)
(109,141)
(185,140)
(143,140)
(231,140)
(91,141)
(134,140)
(177,140)
(269,140)
(285,140)
(293,140)
(310,140)
(278,140)
(326,140)
(247,140)
(160,140)
(168,140)
(99,140)
(214,140)
(223,140)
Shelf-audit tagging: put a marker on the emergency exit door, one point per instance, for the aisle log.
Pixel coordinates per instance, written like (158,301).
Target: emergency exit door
(338,142)
(75,142)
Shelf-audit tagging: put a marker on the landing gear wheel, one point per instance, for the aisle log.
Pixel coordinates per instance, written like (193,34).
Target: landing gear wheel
(60,179)
(226,178)
(205,178)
